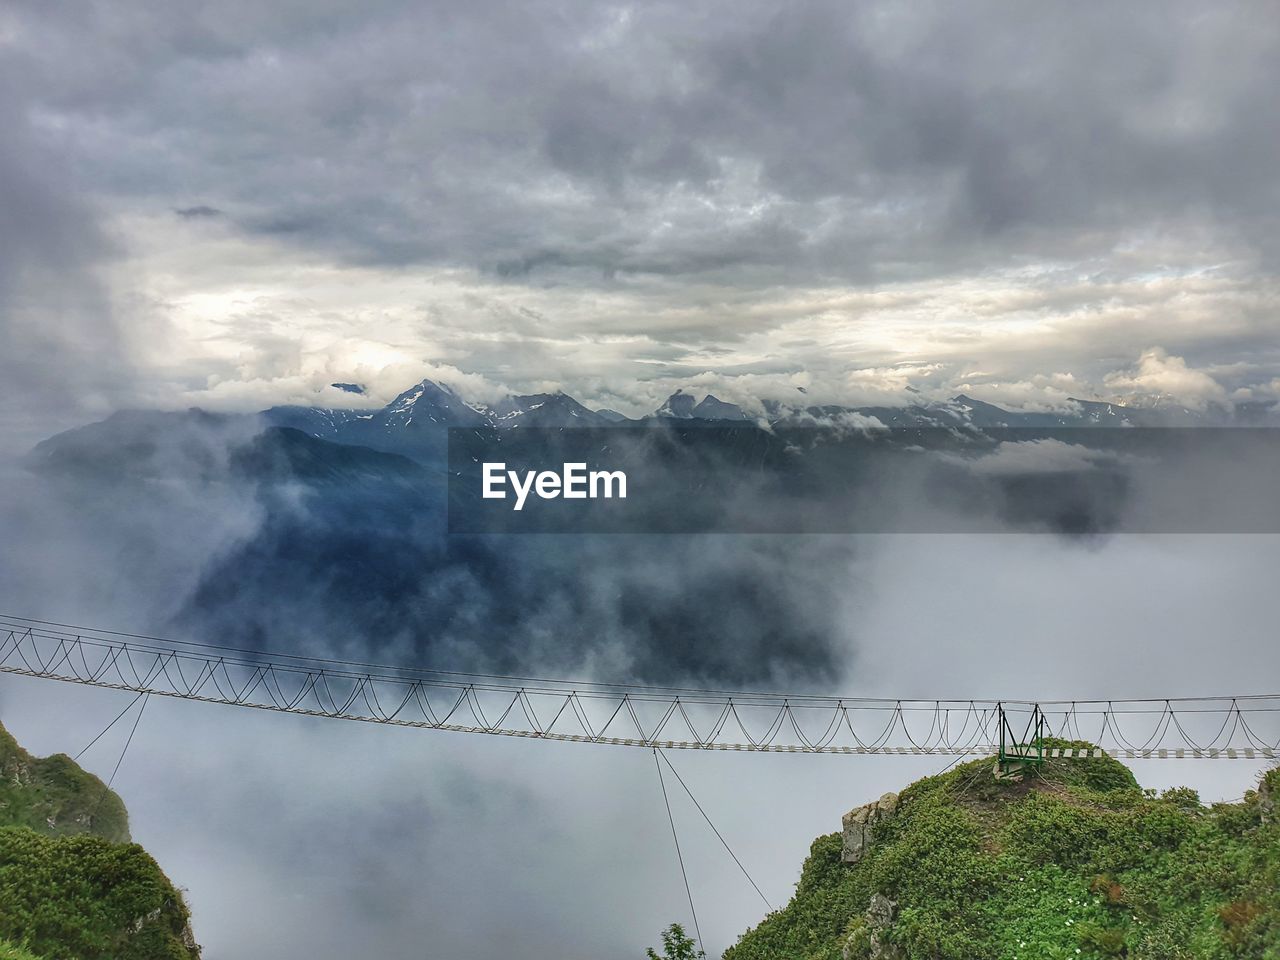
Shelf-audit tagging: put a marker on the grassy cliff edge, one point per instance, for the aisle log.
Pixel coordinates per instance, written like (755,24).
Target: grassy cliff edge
(71,885)
(1077,863)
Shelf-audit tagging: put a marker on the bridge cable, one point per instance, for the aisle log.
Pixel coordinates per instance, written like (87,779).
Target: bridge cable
(86,747)
(722,840)
(957,759)
(679,856)
(116,769)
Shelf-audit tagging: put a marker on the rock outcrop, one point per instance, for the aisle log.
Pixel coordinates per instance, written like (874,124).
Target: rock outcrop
(867,938)
(859,824)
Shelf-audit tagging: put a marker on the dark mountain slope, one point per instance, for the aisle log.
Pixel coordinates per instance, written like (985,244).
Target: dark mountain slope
(713,408)
(145,443)
(195,445)
(546,410)
(322,547)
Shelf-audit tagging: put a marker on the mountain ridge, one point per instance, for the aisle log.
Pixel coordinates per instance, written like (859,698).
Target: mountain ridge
(413,423)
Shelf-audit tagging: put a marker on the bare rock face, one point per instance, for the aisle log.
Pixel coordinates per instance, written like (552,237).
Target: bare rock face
(880,916)
(868,936)
(881,911)
(859,824)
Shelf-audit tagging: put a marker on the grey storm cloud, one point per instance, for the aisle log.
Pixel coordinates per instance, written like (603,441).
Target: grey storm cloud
(713,185)
(57,325)
(816,141)
(197,212)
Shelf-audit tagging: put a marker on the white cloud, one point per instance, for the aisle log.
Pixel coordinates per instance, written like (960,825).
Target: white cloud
(1159,376)
(1036,456)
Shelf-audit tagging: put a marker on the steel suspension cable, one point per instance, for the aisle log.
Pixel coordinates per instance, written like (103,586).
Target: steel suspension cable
(116,769)
(103,732)
(719,836)
(679,856)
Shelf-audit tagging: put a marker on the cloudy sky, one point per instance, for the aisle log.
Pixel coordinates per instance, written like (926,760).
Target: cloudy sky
(236,204)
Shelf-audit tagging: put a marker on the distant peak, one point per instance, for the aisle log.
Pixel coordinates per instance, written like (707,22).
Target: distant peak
(437,395)
(426,386)
(713,408)
(679,405)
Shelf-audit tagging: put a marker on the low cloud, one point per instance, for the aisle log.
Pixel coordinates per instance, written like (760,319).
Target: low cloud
(1159,376)
(197,213)
(1037,457)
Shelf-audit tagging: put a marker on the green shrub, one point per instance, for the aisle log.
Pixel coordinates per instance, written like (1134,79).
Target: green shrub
(1107,941)
(1183,797)
(85,898)
(676,945)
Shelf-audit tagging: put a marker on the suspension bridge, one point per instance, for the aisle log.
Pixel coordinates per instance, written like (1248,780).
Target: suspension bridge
(1243,727)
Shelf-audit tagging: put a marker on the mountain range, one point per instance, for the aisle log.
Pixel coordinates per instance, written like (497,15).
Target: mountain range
(413,423)
(318,443)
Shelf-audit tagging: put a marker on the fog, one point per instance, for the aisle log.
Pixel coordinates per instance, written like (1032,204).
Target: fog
(302,837)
